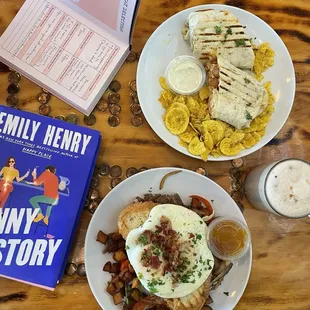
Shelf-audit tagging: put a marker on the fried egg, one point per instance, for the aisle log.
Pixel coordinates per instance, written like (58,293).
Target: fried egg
(197,259)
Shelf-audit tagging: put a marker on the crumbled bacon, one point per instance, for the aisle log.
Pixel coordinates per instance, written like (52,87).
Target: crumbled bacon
(146,258)
(155,262)
(148,234)
(167,241)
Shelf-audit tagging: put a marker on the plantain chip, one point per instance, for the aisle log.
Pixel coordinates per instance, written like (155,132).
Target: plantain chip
(204,93)
(196,147)
(215,129)
(188,135)
(176,120)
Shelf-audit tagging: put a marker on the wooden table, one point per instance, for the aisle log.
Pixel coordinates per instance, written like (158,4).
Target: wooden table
(280,277)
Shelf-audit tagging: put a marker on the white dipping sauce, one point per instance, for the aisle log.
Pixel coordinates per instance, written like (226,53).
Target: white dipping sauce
(288,188)
(185,75)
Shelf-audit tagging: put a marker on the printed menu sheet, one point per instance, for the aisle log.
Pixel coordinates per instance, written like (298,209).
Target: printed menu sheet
(62,49)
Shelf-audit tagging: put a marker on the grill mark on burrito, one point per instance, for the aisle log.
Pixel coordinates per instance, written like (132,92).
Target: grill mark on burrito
(221,72)
(223,88)
(214,33)
(239,94)
(208,54)
(232,40)
(204,41)
(245,91)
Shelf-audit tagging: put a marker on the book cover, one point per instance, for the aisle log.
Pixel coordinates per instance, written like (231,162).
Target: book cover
(45,170)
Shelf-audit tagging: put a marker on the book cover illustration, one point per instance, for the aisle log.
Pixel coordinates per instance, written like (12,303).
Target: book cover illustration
(45,170)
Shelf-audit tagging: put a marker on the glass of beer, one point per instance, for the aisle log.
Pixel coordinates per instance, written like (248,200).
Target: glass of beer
(281,187)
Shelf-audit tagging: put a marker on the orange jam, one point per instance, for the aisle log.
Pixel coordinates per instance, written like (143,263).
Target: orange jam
(228,238)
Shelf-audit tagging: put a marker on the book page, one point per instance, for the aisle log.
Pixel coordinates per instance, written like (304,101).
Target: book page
(61,49)
(115,16)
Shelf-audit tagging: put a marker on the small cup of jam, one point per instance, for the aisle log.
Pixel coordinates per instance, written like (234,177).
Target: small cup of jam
(228,238)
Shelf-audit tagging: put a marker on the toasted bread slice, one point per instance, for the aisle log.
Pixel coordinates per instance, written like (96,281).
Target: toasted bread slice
(193,301)
(134,216)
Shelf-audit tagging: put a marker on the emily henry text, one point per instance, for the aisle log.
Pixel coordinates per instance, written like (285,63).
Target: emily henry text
(57,137)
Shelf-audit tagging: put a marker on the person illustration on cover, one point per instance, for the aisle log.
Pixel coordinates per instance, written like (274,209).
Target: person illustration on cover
(9,173)
(50,196)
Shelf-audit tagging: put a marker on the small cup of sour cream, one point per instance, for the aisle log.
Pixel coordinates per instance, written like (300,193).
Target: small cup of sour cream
(185,75)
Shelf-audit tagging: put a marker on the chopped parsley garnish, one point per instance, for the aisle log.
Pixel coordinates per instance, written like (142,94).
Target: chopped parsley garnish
(140,275)
(172,289)
(148,270)
(252,39)
(198,237)
(199,274)
(195,267)
(186,261)
(156,250)
(249,104)
(201,222)
(142,239)
(240,42)
(228,31)
(246,80)
(218,29)
(151,285)
(226,293)
(212,200)
(153,290)
(208,262)
(185,278)
(127,247)
(248,115)
(144,256)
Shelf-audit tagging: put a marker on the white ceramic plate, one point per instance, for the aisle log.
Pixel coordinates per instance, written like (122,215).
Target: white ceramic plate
(167,42)
(185,183)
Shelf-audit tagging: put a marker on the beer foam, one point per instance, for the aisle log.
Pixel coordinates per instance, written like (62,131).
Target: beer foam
(288,188)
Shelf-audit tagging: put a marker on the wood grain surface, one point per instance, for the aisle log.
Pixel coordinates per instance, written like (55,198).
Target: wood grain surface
(280,277)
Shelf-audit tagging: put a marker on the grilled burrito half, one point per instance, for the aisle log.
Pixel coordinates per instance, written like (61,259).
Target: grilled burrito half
(218,32)
(239,98)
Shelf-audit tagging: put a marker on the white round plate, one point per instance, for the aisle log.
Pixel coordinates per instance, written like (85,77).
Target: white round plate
(167,42)
(185,184)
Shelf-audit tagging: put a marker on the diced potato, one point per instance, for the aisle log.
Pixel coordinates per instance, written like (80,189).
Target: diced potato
(111,289)
(135,283)
(128,277)
(116,236)
(136,295)
(121,244)
(119,285)
(119,256)
(116,267)
(117,298)
(115,279)
(107,267)
(111,246)
(102,237)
